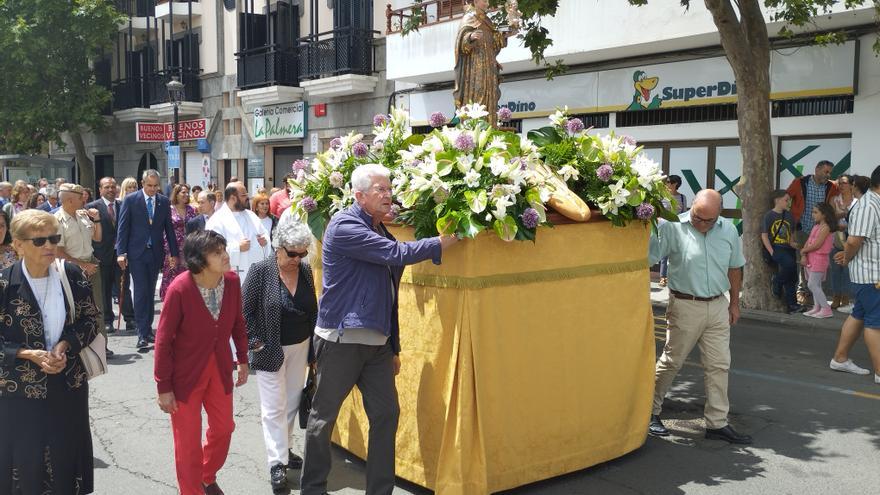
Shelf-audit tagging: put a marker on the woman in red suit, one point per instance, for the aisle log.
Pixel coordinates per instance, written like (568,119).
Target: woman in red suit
(193,366)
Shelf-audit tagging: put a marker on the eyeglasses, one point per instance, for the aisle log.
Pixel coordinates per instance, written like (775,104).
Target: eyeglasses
(294,254)
(40,241)
(381,190)
(703,220)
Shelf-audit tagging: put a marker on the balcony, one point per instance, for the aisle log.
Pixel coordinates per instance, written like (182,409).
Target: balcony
(426,13)
(158,92)
(136,8)
(169,10)
(268,75)
(130,100)
(337,63)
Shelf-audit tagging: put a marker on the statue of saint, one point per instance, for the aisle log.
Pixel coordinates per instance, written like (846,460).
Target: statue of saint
(477,72)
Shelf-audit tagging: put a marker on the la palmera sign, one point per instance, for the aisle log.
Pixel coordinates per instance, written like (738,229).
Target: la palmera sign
(278,122)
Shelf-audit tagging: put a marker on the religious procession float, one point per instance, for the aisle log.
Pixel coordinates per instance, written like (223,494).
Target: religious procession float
(529,352)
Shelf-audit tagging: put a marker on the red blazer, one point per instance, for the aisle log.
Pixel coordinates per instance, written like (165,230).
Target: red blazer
(187,333)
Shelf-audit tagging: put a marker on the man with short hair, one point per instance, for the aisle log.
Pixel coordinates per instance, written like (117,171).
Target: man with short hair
(206,201)
(705,261)
(861,254)
(357,339)
(280,200)
(144,218)
(806,192)
(79,228)
(247,240)
(42,185)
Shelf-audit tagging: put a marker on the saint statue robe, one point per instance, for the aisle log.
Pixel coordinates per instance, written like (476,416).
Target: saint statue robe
(477,73)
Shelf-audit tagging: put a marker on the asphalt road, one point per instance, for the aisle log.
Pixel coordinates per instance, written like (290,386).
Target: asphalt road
(816,431)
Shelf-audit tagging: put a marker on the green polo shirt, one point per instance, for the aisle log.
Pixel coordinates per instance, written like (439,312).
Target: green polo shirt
(698,263)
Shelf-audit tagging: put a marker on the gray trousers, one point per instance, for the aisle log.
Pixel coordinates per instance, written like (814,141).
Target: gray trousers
(801,239)
(339,368)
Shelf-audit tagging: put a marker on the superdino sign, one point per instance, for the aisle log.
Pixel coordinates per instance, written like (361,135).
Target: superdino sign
(644,87)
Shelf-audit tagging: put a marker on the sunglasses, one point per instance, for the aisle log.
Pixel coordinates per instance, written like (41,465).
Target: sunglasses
(294,254)
(40,241)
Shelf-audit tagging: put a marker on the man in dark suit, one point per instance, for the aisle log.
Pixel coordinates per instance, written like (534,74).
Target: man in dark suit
(206,200)
(145,216)
(108,207)
(51,203)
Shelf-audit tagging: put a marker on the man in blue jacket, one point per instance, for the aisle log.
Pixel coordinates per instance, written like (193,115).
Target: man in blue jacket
(357,338)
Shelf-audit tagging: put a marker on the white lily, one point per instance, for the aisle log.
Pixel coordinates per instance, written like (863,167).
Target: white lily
(464,163)
(472,111)
(569,173)
(498,165)
(560,116)
(432,145)
(618,193)
(472,178)
(498,143)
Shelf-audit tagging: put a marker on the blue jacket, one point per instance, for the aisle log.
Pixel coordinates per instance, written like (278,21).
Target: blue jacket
(133,228)
(361,273)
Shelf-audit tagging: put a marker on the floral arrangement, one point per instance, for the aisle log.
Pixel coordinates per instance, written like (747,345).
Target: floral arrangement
(609,171)
(323,187)
(470,177)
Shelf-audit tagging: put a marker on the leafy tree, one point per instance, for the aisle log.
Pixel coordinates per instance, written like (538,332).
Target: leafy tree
(47,85)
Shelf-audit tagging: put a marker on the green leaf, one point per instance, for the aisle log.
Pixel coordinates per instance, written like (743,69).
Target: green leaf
(317,222)
(506,229)
(476,201)
(448,223)
(469,226)
(544,136)
(416,139)
(444,167)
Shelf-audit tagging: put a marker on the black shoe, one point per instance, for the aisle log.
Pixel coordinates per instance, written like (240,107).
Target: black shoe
(728,434)
(151,339)
(110,354)
(294,461)
(796,308)
(108,327)
(656,428)
(278,477)
(130,325)
(142,344)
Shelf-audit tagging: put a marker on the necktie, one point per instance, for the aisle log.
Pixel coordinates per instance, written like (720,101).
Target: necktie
(112,212)
(150,214)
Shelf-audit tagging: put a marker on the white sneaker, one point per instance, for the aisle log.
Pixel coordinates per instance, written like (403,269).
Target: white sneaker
(849,366)
(846,309)
(876,378)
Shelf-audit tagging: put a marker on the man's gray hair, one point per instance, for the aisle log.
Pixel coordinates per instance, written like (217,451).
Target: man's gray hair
(362,177)
(291,233)
(150,172)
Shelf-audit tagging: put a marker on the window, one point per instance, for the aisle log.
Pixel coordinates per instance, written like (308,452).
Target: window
(827,105)
(677,115)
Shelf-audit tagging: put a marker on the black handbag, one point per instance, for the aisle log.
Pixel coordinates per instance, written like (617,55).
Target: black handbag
(305,401)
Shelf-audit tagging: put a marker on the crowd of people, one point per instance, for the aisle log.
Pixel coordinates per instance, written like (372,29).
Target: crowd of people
(242,265)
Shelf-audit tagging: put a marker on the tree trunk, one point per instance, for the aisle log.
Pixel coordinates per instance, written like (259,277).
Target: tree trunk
(86,166)
(747,46)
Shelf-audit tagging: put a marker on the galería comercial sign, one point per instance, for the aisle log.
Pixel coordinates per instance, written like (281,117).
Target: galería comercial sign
(283,121)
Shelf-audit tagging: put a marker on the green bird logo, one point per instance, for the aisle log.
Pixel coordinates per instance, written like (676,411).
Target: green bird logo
(642,98)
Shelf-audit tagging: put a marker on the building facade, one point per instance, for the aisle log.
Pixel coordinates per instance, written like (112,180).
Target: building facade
(266,82)
(658,73)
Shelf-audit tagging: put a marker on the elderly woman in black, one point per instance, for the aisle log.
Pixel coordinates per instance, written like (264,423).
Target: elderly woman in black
(46,444)
(281,309)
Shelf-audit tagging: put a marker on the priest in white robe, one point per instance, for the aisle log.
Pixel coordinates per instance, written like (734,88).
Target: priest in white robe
(247,240)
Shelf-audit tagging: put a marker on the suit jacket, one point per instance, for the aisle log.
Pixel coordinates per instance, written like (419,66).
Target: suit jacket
(195,224)
(105,250)
(46,206)
(188,334)
(133,228)
(21,326)
(262,312)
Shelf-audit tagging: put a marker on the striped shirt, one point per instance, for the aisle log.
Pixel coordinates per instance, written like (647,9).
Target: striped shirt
(864,221)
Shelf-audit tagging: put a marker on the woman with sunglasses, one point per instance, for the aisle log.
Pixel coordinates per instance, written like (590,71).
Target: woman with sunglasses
(281,310)
(46,442)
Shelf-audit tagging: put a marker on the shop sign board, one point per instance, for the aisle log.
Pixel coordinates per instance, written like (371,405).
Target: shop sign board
(187,130)
(279,122)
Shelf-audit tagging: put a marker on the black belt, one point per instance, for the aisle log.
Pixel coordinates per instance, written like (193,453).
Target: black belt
(689,297)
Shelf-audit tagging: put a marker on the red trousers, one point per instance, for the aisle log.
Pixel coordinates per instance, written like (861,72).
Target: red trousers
(197,464)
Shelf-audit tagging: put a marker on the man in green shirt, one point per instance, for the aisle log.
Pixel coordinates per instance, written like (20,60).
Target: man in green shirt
(705,261)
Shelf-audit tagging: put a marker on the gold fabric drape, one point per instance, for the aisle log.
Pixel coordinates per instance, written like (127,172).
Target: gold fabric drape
(477,73)
(521,361)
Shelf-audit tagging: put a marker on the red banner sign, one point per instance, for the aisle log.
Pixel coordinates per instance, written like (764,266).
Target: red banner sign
(187,130)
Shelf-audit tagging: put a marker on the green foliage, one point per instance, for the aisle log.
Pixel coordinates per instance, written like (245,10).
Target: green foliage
(47,86)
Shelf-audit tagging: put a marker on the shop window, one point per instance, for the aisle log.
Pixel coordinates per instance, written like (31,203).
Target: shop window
(827,105)
(677,115)
(595,120)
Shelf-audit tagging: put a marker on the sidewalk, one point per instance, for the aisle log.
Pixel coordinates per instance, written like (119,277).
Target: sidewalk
(660,297)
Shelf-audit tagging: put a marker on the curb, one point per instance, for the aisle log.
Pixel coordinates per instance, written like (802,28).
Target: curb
(796,320)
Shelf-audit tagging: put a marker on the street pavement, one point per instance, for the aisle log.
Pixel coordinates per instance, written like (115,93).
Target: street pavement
(816,431)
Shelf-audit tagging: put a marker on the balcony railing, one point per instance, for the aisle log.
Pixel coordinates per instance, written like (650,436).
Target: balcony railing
(137,8)
(341,51)
(272,65)
(129,93)
(421,14)
(157,85)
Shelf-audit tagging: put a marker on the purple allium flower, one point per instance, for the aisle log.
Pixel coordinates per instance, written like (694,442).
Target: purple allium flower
(380,119)
(337,180)
(574,126)
(644,211)
(605,172)
(437,119)
(464,142)
(308,204)
(335,143)
(629,140)
(360,150)
(530,218)
(504,114)
(299,165)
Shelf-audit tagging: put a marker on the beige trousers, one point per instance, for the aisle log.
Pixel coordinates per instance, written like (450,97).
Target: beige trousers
(706,324)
